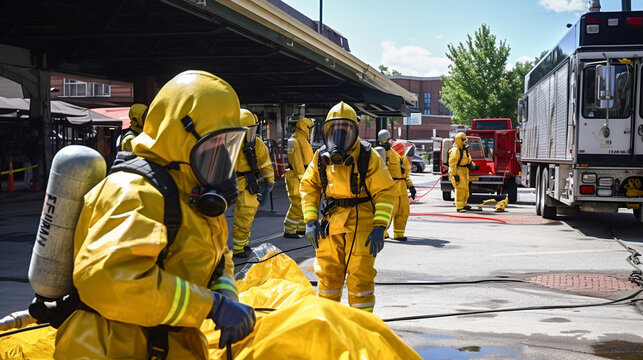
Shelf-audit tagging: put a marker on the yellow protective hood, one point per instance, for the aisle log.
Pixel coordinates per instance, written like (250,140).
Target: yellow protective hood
(209,101)
(304,125)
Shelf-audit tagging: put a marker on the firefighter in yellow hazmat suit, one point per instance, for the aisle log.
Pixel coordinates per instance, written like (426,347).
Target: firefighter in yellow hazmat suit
(137,114)
(255,179)
(356,209)
(395,166)
(299,156)
(402,214)
(459,164)
(137,303)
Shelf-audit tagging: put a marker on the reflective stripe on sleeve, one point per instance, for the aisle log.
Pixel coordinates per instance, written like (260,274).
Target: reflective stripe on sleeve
(180,302)
(225,282)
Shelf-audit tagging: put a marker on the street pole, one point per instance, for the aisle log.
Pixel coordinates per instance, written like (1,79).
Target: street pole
(626,5)
(319,26)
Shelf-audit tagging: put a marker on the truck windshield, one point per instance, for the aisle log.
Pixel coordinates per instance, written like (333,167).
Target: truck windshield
(475,149)
(620,106)
(490,125)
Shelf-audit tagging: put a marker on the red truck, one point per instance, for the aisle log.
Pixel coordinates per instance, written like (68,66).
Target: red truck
(493,147)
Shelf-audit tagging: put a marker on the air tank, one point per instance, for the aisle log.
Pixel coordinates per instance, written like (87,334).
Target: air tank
(74,171)
(382,153)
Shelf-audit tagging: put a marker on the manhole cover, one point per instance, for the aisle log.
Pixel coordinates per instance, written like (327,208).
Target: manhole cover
(583,282)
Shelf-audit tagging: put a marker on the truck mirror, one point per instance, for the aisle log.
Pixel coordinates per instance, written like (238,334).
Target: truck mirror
(520,104)
(604,93)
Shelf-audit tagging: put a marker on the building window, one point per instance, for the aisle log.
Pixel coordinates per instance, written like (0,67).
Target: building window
(74,88)
(443,110)
(101,89)
(427,104)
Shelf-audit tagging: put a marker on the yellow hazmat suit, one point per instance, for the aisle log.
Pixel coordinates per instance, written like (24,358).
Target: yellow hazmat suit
(299,156)
(459,158)
(401,208)
(401,215)
(247,203)
(121,232)
(343,252)
(137,113)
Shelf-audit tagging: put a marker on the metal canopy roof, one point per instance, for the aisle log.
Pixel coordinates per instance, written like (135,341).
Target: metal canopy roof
(264,53)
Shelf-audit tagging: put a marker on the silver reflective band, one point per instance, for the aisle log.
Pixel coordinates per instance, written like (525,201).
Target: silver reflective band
(363,305)
(360,294)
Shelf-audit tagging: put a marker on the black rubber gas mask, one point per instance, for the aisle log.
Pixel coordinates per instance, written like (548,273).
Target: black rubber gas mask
(212,160)
(339,137)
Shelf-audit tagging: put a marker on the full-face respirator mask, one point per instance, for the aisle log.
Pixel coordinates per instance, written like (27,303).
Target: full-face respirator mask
(212,160)
(339,137)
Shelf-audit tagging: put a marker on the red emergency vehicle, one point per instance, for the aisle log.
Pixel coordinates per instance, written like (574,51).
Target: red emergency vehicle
(493,147)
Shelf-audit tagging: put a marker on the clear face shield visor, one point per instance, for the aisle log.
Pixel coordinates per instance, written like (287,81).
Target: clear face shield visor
(340,134)
(213,156)
(251,133)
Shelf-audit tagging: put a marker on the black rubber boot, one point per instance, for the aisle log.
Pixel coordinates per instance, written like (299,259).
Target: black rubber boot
(244,254)
(291,236)
(403,238)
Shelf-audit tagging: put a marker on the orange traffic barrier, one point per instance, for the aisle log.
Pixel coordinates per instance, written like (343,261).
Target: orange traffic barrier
(10,185)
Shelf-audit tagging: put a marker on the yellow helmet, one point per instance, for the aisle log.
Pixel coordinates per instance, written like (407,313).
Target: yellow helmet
(305,124)
(342,111)
(249,120)
(460,139)
(137,113)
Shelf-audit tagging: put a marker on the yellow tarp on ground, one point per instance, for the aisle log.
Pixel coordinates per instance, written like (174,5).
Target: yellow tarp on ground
(303,326)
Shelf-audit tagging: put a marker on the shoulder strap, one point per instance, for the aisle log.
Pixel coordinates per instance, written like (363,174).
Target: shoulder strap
(362,163)
(161,179)
(251,156)
(461,153)
(321,167)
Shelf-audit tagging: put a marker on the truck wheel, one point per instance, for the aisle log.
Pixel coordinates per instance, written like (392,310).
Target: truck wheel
(511,188)
(538,191)
(547,212)
(446,196)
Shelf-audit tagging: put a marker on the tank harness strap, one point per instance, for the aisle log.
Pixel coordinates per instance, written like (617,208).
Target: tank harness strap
(398,178)
(252,176)
(321,167)
(460,159)
(160,178)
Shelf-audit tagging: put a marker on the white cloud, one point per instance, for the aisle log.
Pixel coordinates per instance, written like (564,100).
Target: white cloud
(564,5)
(439,36)
(523,59)
(413,60)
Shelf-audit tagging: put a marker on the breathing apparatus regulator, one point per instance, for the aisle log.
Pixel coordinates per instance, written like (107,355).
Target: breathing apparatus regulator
(212,160)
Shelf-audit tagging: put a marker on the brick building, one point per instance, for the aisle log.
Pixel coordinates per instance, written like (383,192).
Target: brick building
(435,116)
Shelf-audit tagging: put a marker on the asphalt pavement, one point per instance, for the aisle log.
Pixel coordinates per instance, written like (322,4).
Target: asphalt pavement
(485,262)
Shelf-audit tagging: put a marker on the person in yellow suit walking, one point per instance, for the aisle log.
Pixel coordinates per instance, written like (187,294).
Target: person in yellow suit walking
(139,304)
(402,214)
(358,201)
(459,164)
(300,153)
(255,179)
(399,173)
(137,114)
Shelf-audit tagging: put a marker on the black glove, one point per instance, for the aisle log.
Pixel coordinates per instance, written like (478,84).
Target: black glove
(473,167)
(234,319)
(413,192)
(56,312)
(456,178)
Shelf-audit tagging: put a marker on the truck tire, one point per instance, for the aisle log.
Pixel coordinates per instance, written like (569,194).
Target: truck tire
(446,196)
(538,190)
(511,188)
(547,212)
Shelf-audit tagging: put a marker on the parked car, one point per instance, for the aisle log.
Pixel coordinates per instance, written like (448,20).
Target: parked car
(417,164)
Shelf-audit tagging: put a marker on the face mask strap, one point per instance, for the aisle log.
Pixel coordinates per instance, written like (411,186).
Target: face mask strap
(189,126)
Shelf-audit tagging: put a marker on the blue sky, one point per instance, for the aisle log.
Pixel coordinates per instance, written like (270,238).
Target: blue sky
(412,35)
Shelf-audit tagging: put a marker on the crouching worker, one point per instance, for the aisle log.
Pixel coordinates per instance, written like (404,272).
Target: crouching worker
(151,264)
(358,199)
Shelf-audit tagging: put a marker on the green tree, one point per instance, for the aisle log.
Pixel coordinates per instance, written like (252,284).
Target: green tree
(384,70)
(478,84)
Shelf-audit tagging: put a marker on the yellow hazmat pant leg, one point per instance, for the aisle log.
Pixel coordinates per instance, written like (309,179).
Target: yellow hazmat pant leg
(244,215)
(396,206)
(361,273)
(329,266)
(461,193)
(402,214)
(294,218)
